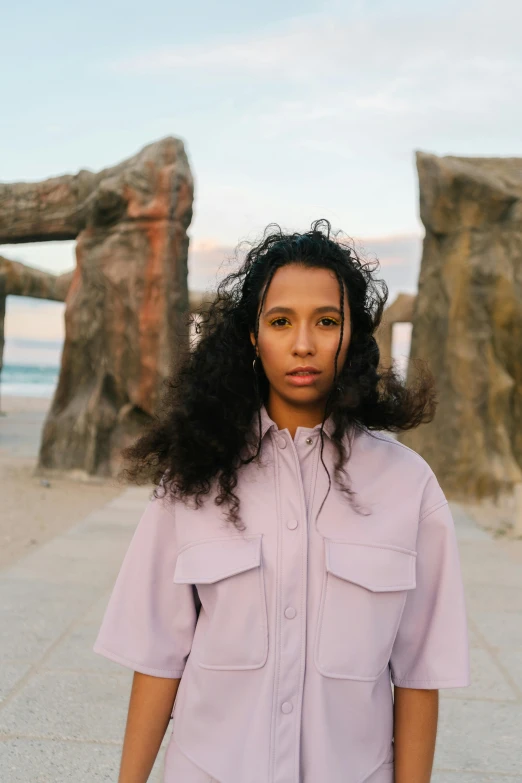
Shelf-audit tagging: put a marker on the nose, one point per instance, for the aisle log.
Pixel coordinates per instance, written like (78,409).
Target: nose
(303,342)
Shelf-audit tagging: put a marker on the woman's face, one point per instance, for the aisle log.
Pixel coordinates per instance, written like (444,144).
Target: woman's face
(300,326)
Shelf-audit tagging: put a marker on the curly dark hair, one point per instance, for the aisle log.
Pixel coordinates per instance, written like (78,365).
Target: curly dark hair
(203,430)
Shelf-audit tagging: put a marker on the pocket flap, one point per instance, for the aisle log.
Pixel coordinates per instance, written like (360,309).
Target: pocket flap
(378,568)
(210,561)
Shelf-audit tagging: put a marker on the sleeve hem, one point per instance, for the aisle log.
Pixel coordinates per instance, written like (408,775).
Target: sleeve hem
(138,667)
(458,682)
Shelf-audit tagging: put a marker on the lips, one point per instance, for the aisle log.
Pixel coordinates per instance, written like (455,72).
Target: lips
(304,371)
(303,376)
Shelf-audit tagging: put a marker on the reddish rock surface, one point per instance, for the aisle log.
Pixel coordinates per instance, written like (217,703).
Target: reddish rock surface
(127,303)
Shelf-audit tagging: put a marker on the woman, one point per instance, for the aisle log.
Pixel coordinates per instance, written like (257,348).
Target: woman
(297,567)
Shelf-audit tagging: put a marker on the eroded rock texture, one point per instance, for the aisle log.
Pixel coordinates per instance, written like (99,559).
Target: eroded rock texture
(468,322)
(127,303)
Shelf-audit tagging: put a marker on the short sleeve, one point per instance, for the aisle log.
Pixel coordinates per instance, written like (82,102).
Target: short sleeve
(149,621)
(431,649)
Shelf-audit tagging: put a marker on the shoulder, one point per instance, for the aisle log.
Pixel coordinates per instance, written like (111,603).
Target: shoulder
(379,441)
(400,465)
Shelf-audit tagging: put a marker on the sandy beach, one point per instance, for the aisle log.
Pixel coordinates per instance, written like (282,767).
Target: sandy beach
(31,512)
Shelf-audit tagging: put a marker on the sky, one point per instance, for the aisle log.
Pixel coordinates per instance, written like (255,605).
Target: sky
(288,111)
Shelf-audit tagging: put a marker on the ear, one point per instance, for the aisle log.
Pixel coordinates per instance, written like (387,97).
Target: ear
(252,338)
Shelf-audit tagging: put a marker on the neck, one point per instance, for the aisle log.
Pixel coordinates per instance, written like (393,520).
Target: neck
(290,416)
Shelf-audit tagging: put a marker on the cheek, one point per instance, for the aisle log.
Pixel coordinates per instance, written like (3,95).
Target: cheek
(346,339)
(334,343)
(270,351)
(342,353)
(346,345)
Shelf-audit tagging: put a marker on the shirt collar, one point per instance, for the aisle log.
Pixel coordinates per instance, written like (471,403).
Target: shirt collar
(267,423)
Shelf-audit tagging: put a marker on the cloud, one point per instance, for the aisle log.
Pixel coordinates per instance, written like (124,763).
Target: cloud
(276,51)
(358,46)
(404,249)
(398,257)
(327,110)
(361,78)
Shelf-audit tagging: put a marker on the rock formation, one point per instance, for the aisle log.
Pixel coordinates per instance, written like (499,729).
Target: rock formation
(468,322)
(127,303)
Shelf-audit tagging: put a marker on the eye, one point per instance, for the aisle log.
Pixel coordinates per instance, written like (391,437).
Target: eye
(332,320)
(278,319)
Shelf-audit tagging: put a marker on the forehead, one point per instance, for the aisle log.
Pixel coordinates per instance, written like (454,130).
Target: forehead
(302,287)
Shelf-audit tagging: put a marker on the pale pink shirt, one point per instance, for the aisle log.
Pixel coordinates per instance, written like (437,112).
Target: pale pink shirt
(304,620)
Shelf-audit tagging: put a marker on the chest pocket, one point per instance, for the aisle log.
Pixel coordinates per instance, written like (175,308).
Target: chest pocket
(362,599)
(232,627)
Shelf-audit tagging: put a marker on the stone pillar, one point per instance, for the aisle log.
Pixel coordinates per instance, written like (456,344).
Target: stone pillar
(468,322)
(127,303)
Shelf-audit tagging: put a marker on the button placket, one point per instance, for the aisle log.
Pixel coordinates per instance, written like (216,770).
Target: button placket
(292,635)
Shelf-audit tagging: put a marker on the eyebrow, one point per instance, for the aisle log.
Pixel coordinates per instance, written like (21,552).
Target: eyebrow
(290,311)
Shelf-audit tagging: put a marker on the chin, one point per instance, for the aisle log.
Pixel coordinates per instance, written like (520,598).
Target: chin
(301,393)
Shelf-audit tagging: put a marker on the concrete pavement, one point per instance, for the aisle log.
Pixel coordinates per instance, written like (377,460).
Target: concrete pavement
(63,708)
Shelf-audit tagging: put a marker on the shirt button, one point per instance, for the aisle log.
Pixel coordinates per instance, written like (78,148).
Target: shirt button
(292,524)
(281,442)
(290,612)
(286,707)
(309,441)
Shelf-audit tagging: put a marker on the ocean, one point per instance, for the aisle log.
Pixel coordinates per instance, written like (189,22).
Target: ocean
(28,380)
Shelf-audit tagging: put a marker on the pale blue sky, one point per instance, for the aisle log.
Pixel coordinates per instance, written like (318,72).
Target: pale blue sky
(289,111)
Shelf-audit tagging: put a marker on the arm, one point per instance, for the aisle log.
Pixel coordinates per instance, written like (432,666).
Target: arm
(150,708)
(148,626)
(431,648)
(415,729)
